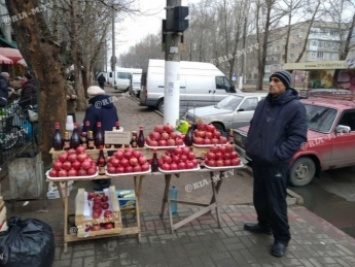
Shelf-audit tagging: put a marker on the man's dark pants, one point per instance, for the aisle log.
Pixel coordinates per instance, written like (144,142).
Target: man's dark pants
(270,190)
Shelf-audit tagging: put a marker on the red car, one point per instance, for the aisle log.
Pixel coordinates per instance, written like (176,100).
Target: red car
(331,137)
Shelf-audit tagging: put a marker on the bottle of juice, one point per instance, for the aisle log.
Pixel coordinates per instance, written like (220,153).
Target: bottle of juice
(75,137)
(57,141)
(99,136)
(141,141)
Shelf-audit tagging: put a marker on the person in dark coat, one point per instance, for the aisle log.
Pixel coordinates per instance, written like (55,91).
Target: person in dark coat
(101,109)
(101,80)
(4,88)
(28,93)
(277,130)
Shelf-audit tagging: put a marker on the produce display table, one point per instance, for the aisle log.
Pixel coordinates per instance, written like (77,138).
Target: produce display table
(216,179)
(216,176)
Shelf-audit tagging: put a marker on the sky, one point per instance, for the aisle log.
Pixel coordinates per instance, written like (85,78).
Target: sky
(131,29)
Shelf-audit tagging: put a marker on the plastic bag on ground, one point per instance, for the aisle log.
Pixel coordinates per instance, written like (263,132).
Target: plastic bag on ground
(28,242)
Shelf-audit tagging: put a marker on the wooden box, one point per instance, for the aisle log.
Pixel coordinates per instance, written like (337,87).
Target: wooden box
(83,221)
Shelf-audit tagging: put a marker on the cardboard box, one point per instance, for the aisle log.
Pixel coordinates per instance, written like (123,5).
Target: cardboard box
(126,198)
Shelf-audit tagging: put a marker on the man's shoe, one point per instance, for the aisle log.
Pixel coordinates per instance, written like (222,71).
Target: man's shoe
(278,249)
(256,228)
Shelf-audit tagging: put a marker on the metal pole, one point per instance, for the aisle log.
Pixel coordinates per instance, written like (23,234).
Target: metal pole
(172,67)
(113,63)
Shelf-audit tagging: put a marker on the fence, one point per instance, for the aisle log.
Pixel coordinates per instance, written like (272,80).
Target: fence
(16,132)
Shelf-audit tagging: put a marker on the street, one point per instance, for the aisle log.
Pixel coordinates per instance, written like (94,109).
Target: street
(332,197)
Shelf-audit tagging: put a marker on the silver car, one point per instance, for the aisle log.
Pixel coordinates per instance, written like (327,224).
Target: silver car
(232,112)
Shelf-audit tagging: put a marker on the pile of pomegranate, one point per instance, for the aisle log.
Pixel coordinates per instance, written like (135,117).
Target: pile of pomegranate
(207,134)
(178,159)
(74,162)
(127,160)
(222,156)
(100,209)
(164,135)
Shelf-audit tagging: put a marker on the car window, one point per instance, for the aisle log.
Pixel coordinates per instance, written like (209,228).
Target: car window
(348,119)
(249,104)
(223,83)
(229,103)
(320,118)
(124,75)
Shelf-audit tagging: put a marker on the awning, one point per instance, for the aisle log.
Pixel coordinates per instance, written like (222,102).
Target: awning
(11,53)
(5,60)
(7,43)
(22,62)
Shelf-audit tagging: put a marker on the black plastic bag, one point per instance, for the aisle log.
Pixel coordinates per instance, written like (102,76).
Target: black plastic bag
(27,243)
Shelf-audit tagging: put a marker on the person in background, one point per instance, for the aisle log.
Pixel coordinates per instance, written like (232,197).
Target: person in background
(28,93)
(4,88)
(71,99)
(100,109)
(277,130)
(101,80)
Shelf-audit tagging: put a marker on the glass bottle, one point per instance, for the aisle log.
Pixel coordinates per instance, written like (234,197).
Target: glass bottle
(117,125)
(57,141)
(66,141)
(75,138)
(155,164)
(101,161)
(83,139)
(99,136)
(188,140)
(90,140)
(231,137)
(134,140)
(141,141)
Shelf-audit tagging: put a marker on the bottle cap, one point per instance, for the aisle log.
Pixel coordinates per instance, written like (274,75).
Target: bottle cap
(87,123)
(56,124)
(98,124)
(101,147)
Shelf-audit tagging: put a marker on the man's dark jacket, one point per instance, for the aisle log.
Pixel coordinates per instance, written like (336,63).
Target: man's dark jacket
(101,109)
(277,130)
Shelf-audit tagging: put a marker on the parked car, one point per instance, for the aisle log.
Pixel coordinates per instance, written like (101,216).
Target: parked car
(331,138)
(232,112)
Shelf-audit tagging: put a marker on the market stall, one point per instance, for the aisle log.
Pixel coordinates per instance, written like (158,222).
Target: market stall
(218,160)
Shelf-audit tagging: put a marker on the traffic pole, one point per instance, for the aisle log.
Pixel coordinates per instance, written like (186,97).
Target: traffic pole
(172,66)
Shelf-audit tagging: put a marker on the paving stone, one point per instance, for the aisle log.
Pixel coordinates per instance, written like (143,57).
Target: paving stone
(62,263)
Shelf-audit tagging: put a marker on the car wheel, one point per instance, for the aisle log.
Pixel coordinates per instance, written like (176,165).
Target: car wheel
(219,126)
(302,171)
(161,106)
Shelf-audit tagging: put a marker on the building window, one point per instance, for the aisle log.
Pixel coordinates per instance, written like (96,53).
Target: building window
(314,54)
(292,55)
(319,54)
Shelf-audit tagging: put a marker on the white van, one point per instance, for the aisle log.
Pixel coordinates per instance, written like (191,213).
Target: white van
(135,86)
(122,79)
(201,84)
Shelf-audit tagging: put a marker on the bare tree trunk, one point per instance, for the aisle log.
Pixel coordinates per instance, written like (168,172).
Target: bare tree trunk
(347,46)
(308,32)
(41,54)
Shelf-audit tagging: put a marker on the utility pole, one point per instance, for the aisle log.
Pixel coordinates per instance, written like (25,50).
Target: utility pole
(173,27)
(113,58)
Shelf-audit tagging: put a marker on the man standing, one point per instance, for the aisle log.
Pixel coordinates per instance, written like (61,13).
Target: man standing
(101,80)
(4,88)
(276,132)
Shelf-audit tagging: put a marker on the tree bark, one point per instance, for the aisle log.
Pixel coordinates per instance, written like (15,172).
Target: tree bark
(41,54)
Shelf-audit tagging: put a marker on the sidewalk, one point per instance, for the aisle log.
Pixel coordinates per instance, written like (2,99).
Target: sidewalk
(315,243)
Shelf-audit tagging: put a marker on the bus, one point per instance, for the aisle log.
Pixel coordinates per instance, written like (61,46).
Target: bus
(323,76)
(122,79)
